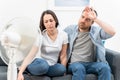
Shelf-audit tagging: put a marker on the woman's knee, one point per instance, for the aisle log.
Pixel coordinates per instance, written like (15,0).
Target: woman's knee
(56,70)
(61,68)
(38,67)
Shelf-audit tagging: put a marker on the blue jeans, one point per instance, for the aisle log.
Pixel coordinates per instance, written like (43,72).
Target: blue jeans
(41,67)
(80,69)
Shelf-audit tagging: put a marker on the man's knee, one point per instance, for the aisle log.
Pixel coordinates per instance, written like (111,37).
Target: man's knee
(77,67)
(105,67)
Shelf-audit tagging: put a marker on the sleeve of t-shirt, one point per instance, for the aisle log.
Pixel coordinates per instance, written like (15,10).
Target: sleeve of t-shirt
(65,38)
(38,41)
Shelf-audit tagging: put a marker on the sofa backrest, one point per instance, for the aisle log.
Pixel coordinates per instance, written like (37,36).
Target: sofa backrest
(2,63)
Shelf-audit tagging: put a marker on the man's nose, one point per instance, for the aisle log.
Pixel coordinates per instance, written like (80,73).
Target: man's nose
(83,20)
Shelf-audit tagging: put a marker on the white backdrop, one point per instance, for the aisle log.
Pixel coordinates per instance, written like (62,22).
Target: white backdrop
(108,11)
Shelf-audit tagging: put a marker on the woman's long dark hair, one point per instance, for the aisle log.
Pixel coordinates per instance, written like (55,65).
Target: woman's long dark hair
(42,26)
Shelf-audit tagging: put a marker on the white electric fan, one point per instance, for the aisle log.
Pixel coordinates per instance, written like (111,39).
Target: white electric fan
(16,39)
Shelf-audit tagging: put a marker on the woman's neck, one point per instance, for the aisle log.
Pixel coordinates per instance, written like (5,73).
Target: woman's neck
(52,32)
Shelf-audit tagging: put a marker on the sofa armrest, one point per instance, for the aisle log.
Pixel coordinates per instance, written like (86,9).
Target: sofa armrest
(113,59)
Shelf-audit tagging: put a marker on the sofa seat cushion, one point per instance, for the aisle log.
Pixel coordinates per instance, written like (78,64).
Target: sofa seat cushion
(88,77)
(3,72)
(30,77)
(3,76)
(3,69)
(66,77)
(91,77)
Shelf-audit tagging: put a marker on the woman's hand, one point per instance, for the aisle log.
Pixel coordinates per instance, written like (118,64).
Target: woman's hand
(20,77)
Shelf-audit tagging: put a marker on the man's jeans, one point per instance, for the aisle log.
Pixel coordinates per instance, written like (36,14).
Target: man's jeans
(80,69)
(41,67)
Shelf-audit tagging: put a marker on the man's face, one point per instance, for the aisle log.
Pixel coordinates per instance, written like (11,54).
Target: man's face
(85,22)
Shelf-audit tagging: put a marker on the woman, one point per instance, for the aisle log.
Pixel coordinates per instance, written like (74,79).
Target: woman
(53,48)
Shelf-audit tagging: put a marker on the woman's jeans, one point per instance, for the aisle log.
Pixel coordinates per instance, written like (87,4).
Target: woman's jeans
(41,67)
(80,69)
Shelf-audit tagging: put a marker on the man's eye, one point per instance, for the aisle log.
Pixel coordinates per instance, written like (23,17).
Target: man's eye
(82,16)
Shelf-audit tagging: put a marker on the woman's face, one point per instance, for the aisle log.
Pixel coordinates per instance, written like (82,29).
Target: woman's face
(49,22)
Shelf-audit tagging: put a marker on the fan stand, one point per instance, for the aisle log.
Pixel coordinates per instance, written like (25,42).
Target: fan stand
(12,68)
(11,44)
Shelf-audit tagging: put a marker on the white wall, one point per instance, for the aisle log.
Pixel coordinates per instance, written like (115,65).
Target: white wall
(10,9)
(108,10)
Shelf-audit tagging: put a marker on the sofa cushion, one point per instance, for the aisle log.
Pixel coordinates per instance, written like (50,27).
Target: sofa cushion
(3,76)
(3,69)
(2,63)
(88,77)
(3,72)
(66,77)
(94,77)
(29,77)
(91,77)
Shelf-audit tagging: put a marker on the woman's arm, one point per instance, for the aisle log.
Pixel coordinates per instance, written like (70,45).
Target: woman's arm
(27,61)
(63,55)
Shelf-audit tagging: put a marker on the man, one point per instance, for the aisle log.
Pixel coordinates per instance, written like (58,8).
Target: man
(86,52)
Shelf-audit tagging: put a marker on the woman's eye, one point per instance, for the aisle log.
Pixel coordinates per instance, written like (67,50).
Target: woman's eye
(51,20)
(45,21)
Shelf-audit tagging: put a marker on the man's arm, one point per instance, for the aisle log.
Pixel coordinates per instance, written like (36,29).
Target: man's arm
(106,27)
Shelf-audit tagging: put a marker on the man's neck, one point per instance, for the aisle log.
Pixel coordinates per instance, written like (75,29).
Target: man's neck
(83,30)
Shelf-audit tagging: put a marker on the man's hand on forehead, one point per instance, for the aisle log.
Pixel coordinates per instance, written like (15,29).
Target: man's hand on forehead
(90,12)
